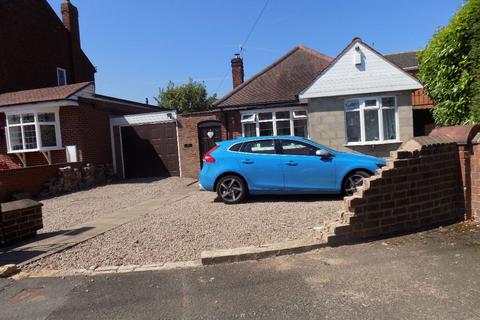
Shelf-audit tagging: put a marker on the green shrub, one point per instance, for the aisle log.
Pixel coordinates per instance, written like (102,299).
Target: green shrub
(449,68)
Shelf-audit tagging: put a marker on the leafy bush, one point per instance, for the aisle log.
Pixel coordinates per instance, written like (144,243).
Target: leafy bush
(189,97)
(449,68)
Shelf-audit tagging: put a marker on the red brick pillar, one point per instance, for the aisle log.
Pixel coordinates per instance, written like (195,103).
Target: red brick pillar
(467,141)
(475,181)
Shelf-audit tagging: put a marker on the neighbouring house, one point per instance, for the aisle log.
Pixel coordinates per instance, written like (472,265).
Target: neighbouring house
(38,49)
(362,102)
(69,123)
(50,114)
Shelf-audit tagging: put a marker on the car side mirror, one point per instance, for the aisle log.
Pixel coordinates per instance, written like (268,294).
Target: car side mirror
(323,153)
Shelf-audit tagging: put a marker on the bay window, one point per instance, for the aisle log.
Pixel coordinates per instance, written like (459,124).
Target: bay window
(274,123)
(33,131)
(371,120)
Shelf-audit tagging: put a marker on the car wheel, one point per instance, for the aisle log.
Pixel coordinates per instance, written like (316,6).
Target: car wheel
(231,189)
(353,181)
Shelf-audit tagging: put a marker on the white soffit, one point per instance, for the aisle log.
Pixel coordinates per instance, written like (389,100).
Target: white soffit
(348,77)
(144,118)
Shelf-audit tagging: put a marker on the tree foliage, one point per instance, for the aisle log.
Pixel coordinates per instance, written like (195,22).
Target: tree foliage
(189,97)
(449,68)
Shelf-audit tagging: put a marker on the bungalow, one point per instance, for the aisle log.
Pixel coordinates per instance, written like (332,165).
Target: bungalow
(361,102)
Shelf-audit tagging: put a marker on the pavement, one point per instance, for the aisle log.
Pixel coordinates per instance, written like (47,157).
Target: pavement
(430,275)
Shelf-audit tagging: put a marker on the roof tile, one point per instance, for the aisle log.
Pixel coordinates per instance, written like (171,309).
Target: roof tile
(282,81)
(41,95)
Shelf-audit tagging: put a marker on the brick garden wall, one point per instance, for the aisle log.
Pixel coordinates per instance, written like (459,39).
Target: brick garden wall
(31,179)
(19,220)
(420,187)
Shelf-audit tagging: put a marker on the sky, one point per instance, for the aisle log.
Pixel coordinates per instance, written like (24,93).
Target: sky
(138,46)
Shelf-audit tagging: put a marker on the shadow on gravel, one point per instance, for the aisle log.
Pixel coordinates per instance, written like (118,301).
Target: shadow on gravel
(290,198)
(29,249)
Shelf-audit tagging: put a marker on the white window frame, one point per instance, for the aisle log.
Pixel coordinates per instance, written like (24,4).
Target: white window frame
(362,109)
(257,121)
(64,72)
(37,124)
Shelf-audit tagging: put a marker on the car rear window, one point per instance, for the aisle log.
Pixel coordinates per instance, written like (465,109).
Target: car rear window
(235,147)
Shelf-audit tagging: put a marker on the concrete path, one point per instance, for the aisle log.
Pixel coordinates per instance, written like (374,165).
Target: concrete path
(432,275)
(43,245)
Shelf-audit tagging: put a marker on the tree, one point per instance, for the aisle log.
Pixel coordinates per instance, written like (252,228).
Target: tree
(189,97)
(449,68)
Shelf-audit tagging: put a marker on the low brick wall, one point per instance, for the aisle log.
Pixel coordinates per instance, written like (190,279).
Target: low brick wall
(19,220)
(420,187)
(30,179)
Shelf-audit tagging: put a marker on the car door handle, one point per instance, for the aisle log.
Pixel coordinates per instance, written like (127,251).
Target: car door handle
(247,161)
(291,163)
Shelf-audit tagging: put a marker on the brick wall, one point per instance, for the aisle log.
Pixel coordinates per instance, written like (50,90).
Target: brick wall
(89,129)
(31,179)
(19,220)
(188,136)
(473,182)
(188,140)
(420,187)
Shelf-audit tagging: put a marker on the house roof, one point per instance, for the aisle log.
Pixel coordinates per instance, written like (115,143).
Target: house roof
(405,60)
(310,91)
(280,82)
(41,95)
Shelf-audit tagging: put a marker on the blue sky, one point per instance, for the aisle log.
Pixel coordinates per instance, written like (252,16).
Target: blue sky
(138,46)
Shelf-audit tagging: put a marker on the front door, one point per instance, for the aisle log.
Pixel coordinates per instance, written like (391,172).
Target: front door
(208,135)
(304,171)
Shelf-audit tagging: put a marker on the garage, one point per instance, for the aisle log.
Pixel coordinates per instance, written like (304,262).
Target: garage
(145,145)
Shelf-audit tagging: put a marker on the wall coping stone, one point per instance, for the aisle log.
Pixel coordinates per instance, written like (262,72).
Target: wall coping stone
(20,205)
(418,143)
(462,135)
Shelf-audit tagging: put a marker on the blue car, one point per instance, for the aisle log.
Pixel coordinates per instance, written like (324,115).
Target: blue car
(282,165)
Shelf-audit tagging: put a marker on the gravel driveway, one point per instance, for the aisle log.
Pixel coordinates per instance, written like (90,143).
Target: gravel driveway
(181,230)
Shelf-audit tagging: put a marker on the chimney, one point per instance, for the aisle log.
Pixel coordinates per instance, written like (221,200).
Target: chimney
(237,70)
(70,20)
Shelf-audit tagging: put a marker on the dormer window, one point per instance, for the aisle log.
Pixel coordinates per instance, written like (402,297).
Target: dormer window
(61,76)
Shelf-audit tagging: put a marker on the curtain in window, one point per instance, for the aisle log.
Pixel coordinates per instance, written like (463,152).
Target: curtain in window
(353,126)
(371,125)
(389,126)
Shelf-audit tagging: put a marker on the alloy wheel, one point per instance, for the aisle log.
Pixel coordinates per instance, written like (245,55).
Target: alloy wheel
(352,183)
(230,189)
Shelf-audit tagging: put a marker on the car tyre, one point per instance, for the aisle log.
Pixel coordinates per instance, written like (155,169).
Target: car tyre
(353,181)
(232,189)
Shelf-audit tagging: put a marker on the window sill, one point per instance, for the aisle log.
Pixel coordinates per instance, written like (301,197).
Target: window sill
(372,143)
(36,150)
